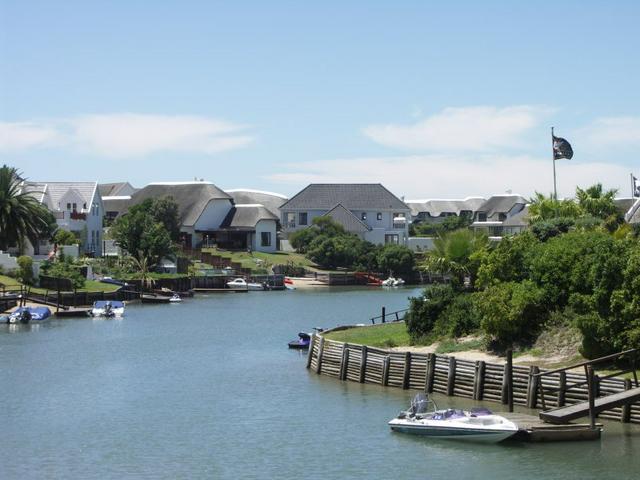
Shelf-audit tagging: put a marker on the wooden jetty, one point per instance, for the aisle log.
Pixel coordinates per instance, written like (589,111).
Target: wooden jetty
(221,290)
(603,397)
(533,429)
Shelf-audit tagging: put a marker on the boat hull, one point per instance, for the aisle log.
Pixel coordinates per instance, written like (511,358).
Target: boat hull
(454,433)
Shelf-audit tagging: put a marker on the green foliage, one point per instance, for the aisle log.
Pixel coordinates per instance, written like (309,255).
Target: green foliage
(597,202)
(543,208)
(459,318)
(449,224)
(508,261)
(64,267)
(512,312)
(395,258)
(144,235)
(334,251)
(321,226)
(425,309)
(64,237)
(546,229)
(25,271)
(22,217)
(166,211)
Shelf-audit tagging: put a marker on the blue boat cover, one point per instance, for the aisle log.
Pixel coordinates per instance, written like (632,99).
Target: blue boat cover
(37,313)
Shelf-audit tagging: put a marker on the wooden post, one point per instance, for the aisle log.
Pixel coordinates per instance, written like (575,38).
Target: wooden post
(507,382)
(344,359)
(626,409)
(363,363)
(320,353)
(406,374)
(311,344)
(562,388)
(384,314)
(532,388)
(385,370)
(592,397)
(451,376)
(430,373)
(478,381)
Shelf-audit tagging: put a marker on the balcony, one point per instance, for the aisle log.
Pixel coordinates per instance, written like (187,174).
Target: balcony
(290,225)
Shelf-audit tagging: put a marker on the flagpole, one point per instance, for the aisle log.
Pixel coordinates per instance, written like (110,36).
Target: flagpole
(553,156)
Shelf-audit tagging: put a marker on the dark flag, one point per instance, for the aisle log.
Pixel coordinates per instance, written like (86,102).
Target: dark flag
(636,186)
(561,149)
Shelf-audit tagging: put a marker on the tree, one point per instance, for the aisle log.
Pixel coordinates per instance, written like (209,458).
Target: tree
(25,273)
(166,211)
(543,208)
(22,217)
(64,237)
(142,234)
(596,201)
(395,258)
(454,254)
(321,226)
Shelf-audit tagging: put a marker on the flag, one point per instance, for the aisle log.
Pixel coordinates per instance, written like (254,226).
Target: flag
(561,149)
(636,186)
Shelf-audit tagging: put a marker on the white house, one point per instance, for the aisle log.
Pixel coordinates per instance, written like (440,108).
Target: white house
(365,209)
(77,207)
(209,216)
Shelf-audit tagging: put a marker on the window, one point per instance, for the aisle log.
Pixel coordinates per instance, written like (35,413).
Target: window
(75,206)
(392,238)
(68,206)
(84,206)
(302,218)
(482,217)
(502,217)
(379,216)
(363,216)
(265,239)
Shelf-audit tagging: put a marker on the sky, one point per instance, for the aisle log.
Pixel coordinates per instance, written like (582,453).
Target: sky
(431,99)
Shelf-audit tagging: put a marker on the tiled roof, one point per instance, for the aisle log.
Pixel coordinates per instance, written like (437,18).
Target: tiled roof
(348,220)
(246,217)
(353,196)
(191,197)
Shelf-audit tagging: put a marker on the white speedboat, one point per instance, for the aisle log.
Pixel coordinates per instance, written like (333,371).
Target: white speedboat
(392,282)
(107,308)
(175,298)
(241,283)
(478,424)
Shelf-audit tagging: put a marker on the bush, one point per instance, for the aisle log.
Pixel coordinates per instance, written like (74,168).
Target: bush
(395,258)
(64,237)
(512,312)
(460,318)
(25,271)
(64,269)
(425,310)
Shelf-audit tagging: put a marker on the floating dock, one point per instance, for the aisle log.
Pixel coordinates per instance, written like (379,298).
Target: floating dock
(533,429)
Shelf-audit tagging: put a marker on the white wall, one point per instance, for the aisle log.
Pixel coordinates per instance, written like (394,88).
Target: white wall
(213,214)
(8,262)
(265,226)
(424,243)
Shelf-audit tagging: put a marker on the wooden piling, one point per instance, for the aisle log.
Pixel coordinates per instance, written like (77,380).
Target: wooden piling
(625,416)
(532,387)
(562,387)
(406,374)
(344,361)
(311,344)
(386,363)
(430,373)
(363,363)
(478,380)
(592,397)
(451,376)
(320,353)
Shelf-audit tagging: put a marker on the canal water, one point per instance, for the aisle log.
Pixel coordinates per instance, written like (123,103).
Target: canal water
(209,389)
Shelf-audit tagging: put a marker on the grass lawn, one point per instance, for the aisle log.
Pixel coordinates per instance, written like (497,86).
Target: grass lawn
(249,260)
(383,335)
(89,286)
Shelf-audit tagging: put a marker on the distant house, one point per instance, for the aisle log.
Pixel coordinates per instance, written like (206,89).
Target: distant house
(77,207)
(271,201)
(492,214)
(208,216)
(368,210)
(437,210)
(115,197)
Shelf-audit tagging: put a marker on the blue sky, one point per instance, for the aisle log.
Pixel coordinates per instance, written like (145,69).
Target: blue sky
(433,99)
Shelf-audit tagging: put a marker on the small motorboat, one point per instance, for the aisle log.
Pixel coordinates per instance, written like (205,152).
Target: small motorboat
(303,341)
(242,284)
(288,284)
(29,314)
(107,308)
(477,424)
(175,298)
(392,282)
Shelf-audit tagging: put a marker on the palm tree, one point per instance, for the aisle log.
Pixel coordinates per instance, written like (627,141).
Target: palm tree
(542,208)
(141,264)
(452,253)
(22,217)
(596,201)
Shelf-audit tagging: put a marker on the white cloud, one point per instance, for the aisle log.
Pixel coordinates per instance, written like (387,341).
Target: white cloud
(125,135)
(468,129)
(134,135)
(445,176)
(18,136)
(612,132)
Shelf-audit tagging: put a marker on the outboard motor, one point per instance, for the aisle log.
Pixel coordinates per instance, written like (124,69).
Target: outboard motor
(25,316)
(108,310)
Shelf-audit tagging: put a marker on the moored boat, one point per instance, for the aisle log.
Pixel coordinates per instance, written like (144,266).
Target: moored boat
(175,298)
(241,283)
(303,341)
(107,308)
(29,314)
(477,424)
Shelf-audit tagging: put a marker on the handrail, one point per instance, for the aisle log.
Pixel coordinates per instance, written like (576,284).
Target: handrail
(589,362)
(385,315)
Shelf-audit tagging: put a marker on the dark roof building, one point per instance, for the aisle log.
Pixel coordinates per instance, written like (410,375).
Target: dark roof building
(353,196)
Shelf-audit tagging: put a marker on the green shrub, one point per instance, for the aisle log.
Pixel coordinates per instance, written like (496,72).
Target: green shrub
(425,309)
(64,237)
(459,318)
(25,270)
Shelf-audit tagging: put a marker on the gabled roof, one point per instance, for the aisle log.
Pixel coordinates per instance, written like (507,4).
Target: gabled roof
(353,196)
(501,204)
(116,189)
(54,191)
(348,220)
(435,207)
(272,201)
(246,217)
(192,197)
(520,219)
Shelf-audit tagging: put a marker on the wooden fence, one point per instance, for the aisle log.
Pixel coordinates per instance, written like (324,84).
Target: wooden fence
(477,380)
